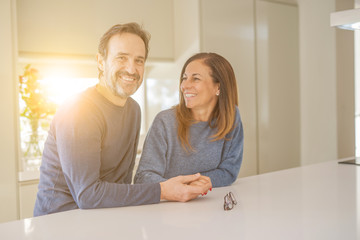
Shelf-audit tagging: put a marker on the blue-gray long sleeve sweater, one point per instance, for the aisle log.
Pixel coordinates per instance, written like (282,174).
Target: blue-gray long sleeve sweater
(163,156)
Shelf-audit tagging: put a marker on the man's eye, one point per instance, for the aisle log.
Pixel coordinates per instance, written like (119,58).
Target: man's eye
(140,61)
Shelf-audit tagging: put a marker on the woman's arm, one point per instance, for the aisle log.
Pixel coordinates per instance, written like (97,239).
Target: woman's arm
(153,163)
(227,171)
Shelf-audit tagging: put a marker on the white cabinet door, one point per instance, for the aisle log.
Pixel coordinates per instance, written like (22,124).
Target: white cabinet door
(70,27)
(227,28)
(278,86)
(260,39)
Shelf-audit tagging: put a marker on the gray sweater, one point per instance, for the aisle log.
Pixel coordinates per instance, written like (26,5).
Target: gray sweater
(163,156)
(89,157)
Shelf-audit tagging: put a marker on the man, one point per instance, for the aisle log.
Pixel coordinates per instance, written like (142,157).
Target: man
(91,147)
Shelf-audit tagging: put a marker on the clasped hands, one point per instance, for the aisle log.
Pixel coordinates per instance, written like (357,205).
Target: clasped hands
(185,188)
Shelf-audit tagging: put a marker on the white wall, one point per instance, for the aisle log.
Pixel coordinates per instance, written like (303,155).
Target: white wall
(228,28)
(8,139)
(163,78)
(345,86)
(260,40)
(70,27)
(317,82)
(278,93)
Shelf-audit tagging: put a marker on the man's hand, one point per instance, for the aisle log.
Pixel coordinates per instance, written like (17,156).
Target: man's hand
(185,188)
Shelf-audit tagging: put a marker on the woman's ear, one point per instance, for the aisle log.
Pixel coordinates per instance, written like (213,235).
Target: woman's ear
(218,90)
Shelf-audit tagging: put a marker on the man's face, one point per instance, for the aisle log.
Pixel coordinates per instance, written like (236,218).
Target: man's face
(124,66)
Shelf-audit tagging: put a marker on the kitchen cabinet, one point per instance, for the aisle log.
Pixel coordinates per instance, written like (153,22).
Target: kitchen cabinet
(74,27)
(261,42)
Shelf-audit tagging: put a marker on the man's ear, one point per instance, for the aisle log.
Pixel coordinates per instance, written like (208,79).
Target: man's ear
(100,61)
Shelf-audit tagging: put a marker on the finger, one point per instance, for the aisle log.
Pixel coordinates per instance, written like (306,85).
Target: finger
(199,189)
(196,183)
(203,194)
(189,178)
(204,179)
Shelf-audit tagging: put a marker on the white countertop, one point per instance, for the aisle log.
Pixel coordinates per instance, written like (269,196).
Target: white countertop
(315,202)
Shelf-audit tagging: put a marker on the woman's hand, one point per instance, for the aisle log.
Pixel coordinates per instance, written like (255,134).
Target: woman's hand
(185,188)
(202,180)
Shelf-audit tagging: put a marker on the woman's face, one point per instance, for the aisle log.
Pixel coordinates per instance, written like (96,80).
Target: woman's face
(198,87)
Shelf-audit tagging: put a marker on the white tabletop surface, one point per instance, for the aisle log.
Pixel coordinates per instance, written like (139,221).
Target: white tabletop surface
(315,202)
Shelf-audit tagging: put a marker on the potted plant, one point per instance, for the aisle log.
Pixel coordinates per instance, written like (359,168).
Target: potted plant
(37,107)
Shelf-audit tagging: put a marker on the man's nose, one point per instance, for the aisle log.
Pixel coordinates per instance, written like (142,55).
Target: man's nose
(130,67)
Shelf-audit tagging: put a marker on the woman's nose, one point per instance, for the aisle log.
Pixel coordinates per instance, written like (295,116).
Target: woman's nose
(184,85)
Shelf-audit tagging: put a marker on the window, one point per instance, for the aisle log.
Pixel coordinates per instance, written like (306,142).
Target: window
(40,95)
(60,79)
(53,82)
(56,91)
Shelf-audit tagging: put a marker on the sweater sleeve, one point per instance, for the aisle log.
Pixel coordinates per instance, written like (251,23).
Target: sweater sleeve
(78,137)
(152,165)
(129,176)
(227,171)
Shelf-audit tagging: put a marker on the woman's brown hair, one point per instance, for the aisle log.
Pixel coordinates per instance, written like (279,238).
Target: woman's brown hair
(223,115)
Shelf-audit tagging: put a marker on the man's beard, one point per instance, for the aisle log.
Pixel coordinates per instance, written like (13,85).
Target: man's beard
(118,90)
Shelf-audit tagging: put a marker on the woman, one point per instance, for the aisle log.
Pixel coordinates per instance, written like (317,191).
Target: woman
(203,133)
